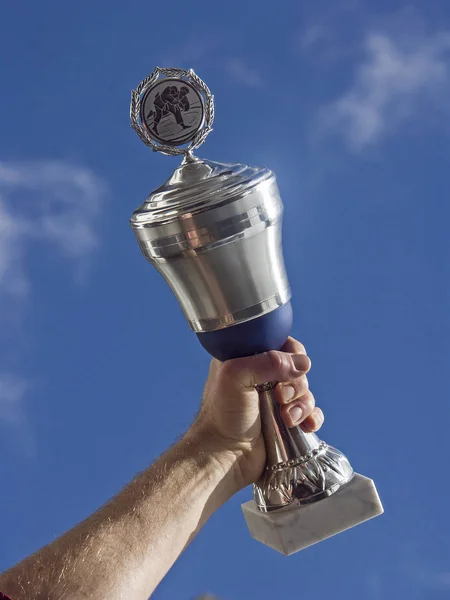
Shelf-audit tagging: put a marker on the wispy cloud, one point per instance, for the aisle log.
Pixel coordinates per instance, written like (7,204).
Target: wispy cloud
(211,51)
(432,579)
(428,572)
(242,73)
(41,202)
(13,413)
(192,51)
(45,202)
(393,83)
(12,391)
(374,586)
(312,36)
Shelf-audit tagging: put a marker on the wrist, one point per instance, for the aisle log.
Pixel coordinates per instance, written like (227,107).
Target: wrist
(218,459)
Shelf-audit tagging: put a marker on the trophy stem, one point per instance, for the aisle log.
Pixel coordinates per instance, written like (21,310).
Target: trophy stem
(300,468)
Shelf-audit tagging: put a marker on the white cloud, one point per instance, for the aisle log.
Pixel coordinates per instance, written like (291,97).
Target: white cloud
(374,586)
(391,86)
(41,202)
(313,36)
(12,281)
(432,580)
(12,391)
(12,411)
(193,51)
(426,573)
(45,202)
(242,73)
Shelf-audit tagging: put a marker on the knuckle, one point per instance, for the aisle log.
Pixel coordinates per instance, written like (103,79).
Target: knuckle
(276,360)
(300,388)
(285,411)
(228,370)
(301,385)
(294,346)
(320,416)
(301,348)
(315,421)
(308,403)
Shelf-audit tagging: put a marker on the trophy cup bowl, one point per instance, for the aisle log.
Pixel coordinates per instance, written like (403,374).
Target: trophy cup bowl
(213,231)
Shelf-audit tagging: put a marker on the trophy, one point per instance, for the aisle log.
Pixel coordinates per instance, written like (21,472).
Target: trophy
(213,231)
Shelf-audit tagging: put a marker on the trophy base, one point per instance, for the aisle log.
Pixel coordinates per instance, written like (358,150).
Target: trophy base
(294,528)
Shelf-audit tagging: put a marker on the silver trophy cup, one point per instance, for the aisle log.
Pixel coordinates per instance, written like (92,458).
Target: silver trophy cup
(214,233)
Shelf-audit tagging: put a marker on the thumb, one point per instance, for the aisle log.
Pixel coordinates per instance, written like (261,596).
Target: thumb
(260,368)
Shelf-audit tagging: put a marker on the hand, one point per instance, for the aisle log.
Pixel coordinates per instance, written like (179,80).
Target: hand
(229,421)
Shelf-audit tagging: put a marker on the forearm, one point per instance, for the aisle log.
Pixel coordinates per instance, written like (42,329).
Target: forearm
(125,548)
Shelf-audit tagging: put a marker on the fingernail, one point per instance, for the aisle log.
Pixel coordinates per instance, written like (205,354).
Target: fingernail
(296,414)
(287,393)
(301,362)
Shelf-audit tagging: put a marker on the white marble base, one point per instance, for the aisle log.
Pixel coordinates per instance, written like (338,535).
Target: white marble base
(295,529)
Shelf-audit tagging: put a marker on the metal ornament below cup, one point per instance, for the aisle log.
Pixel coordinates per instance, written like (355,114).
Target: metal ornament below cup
(214,233)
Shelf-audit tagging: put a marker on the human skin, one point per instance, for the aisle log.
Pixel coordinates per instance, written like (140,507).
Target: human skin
(124,549)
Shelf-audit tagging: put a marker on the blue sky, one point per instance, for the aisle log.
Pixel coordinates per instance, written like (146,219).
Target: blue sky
(347,102)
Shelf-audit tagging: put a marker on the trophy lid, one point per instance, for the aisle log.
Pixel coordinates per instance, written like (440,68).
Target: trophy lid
(195,186)
(172,111)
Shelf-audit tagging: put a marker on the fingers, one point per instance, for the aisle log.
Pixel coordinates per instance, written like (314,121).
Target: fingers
(298,410)
(270,366)
(291,390)
(293,346)
(314,421)
(287,366)
(298,405)
(303,412)
(297,402)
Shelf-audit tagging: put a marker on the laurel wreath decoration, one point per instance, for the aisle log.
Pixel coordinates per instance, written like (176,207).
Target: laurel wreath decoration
(135,110)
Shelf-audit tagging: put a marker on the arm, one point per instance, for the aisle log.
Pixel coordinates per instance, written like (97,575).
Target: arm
(126,548)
